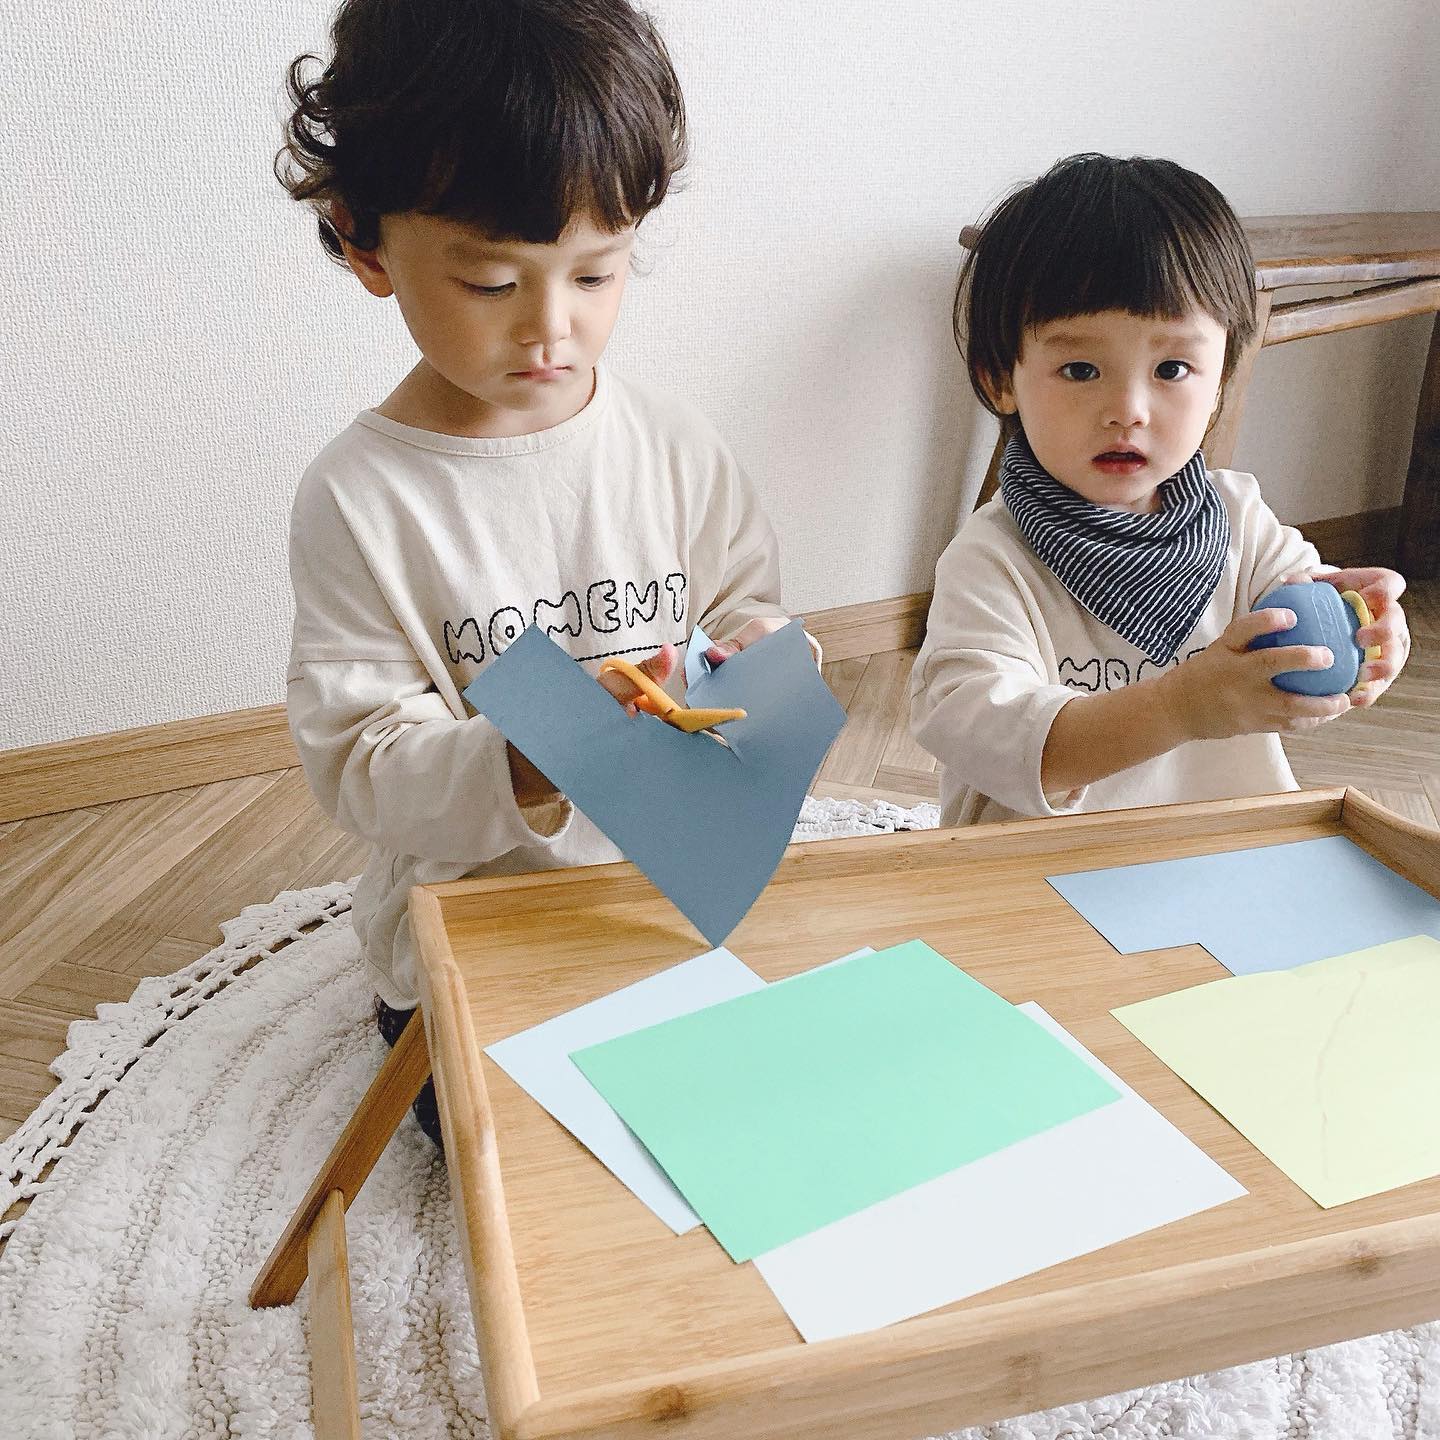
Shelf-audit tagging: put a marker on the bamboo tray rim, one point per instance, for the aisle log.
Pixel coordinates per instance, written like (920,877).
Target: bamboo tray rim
(678,1399)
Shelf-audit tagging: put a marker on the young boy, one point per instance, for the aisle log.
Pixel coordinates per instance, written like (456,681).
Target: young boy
(486,164)
(1087,644)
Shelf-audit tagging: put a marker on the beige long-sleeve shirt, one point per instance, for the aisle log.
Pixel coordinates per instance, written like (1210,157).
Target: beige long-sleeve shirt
(417,557)
(1007,645)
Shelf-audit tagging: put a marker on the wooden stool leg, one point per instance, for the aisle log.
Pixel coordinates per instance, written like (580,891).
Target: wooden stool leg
(381,1109)
(335,1399)
(1420,511)
(1220,441)
(991,483)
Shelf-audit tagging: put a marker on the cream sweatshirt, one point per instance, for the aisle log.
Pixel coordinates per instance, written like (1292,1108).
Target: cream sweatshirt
(417,557)
(1007,645)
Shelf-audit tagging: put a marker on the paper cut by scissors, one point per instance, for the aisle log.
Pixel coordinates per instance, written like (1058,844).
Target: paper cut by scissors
(706,822)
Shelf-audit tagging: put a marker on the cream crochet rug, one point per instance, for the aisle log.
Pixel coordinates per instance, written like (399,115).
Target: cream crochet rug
(203,1105)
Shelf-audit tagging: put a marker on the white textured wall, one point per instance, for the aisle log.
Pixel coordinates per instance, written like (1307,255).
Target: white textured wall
(175,348)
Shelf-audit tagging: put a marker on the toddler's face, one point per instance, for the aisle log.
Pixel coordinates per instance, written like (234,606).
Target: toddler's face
(1113,404)
(514,329)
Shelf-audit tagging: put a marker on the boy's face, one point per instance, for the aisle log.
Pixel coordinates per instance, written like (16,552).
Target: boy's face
(509,331)
(1113,404)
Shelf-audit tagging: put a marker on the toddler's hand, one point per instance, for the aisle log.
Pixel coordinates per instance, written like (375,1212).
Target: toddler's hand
(659,667)
(749,633)
(1381,590)
(531,787)
(1225,690)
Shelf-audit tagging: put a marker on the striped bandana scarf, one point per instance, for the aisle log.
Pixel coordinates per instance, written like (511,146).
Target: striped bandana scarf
(1148,577)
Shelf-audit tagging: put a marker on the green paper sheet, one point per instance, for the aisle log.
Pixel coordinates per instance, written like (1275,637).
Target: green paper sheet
(780,1111)
(1331,1069)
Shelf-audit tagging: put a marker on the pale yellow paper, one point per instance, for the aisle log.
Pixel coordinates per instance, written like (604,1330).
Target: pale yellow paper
(1332,1069)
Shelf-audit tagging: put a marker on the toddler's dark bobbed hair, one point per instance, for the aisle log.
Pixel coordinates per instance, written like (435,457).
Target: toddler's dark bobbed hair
(515,116)
(1098,233)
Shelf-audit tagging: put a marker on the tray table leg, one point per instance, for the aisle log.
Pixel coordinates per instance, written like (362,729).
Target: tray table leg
(335,1400)
(380,1111)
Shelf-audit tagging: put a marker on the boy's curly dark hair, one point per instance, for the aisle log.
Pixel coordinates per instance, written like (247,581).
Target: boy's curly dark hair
(1099,233)
(512,115)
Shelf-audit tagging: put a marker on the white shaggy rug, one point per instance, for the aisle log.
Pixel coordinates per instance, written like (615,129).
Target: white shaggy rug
(203,1105)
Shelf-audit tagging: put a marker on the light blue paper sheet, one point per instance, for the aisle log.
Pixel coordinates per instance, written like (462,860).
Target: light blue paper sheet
(1047,1198)
(697,667)
(538,1060)
(706,822)
(1268,908)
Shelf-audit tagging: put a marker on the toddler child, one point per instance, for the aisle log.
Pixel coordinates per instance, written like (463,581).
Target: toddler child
(486,164)
(1087,643)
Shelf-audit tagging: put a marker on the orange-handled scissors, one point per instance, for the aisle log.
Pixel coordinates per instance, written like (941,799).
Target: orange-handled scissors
(654,701)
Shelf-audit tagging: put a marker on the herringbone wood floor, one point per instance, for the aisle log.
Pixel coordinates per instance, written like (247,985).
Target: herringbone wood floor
(92,900)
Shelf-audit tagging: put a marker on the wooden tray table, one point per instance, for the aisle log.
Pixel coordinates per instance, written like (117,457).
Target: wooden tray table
(595,1321)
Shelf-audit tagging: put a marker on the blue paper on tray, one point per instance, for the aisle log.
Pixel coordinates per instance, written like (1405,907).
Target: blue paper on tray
(707,822)
(1267,908)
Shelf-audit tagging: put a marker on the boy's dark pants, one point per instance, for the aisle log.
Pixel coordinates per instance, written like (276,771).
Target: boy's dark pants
(390,1023)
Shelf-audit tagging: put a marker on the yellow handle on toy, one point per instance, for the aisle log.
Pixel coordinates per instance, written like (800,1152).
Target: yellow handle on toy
(654,701)
(1362,610)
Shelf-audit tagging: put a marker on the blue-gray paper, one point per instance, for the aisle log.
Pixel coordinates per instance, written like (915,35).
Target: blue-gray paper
(706,822)
(1268,908)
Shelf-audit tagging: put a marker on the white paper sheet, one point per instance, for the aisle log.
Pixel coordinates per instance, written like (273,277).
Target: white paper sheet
(538,1060)
(1115,1172)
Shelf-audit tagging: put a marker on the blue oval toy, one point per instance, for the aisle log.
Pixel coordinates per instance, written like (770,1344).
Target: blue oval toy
(1323,616)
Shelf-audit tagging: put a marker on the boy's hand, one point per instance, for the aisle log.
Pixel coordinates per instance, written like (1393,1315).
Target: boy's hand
(749,633)
(659,667)
(531,787)
(1381,590)
(1225,690)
